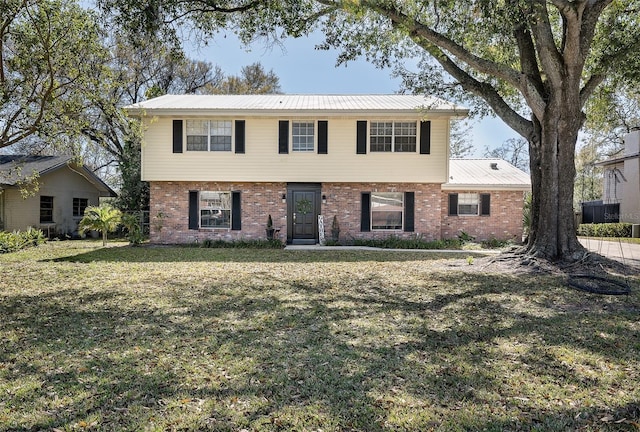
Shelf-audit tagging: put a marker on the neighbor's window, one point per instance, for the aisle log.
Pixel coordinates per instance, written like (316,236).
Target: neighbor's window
(386,210)
(46,209)
(79,204)
(209,135)
(303,136)
(468,204)
(215,209)
(393,136)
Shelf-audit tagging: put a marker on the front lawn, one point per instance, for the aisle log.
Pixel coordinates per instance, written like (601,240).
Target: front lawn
(167,338)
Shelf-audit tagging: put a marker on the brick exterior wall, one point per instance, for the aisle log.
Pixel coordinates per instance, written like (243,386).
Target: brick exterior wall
(171,201)
(344,201)
(169,212)
(503,223)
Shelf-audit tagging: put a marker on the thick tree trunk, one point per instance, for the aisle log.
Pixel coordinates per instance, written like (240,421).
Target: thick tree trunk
(552,153)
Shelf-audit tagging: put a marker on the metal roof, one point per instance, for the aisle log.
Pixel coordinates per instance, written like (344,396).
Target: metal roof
(296,103)
(475,174)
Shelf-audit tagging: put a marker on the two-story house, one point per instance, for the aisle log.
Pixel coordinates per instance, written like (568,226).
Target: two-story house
(219,165)
(621,182)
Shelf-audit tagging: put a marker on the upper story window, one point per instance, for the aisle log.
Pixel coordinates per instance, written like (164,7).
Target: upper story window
(79,205)
(46,209)
(215,209)
(386,210)
(209,135)
(393,136)
(303,136)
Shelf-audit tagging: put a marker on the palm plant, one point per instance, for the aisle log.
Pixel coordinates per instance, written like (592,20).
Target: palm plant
(103,218)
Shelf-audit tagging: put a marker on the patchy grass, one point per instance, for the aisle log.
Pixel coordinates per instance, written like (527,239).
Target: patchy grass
(164,338)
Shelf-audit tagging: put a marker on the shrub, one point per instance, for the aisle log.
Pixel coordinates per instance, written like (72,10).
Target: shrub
(17,240)
(620,229)
(131,223)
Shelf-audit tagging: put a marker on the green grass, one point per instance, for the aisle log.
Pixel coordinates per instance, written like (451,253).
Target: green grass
(189,339)
(614,239)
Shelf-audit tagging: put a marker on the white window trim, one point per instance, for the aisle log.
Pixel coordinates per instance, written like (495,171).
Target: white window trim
(393,136)
(402,214)
(478,204)
(186,135)
(315,136)
(200,210)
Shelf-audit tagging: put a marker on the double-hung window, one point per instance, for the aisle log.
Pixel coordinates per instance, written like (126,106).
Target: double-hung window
(215,209)
(393,136)
(469,204)
(79,204)
(386,210)
(303,136)
(46,209)
(209,135)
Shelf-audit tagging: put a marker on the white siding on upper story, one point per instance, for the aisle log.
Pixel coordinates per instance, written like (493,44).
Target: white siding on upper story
(261,161)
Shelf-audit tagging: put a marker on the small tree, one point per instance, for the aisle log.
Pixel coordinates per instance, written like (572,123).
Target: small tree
(103,218)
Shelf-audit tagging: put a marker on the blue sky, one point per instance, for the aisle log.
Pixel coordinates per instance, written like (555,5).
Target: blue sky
(304,70)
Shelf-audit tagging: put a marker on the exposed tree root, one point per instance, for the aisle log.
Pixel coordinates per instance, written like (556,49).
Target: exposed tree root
(585,271)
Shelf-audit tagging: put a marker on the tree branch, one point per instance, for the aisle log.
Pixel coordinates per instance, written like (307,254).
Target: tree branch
(550,57)
(590,86)
(444,43)
(486,91)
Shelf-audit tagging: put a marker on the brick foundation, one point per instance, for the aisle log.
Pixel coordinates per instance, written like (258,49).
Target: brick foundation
(504,222)
(170,212)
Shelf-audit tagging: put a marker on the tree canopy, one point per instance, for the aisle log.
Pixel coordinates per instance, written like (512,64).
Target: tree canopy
(48,52)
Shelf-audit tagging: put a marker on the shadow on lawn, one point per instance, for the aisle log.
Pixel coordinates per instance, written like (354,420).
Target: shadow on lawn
(372,359)
(194,254)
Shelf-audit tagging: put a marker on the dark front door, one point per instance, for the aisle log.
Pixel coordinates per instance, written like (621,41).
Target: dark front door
(303,209)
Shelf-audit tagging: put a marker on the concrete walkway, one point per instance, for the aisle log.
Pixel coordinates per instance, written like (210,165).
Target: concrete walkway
(627,253)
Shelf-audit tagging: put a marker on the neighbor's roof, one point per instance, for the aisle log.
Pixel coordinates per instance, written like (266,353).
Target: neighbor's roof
(288,103)
(478,174)
(617,160)
(14,168)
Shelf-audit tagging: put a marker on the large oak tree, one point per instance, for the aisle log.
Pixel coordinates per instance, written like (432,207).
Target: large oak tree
(534,63)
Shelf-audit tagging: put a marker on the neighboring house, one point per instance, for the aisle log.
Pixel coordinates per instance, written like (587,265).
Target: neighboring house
(58,192)
(621,182)
(219,165)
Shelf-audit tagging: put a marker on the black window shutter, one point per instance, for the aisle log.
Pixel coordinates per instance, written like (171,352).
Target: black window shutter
(485,204)
(425,137)
(193,210)
(323,138)
(361,140)
(236,211)
(365,212)
(177,136)
(409,211)
(240,136)
(453,204)
(283,137)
